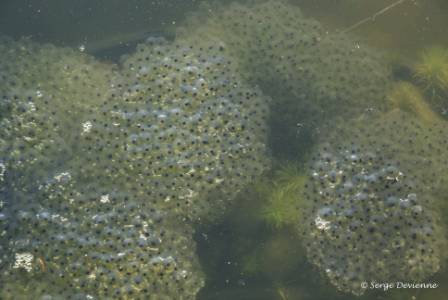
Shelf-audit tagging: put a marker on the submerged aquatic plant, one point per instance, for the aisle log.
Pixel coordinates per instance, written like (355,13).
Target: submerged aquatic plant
(408,97)
(282,197)
(432,69)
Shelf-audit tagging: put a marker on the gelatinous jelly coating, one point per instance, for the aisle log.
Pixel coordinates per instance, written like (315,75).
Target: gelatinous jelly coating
(372,190)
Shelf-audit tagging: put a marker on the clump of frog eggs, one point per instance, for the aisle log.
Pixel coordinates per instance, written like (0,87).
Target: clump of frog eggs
(105,169)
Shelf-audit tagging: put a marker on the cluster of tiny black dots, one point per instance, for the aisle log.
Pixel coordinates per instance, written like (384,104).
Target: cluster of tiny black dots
(373,187)
(110,166)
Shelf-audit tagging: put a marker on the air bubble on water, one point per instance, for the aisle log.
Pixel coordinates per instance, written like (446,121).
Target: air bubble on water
(105,199)
(86,127)
(322,224)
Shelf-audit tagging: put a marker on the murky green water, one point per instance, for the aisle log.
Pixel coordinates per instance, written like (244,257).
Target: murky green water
(212,162)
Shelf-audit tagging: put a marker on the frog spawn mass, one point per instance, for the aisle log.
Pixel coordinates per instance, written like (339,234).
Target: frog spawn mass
(46,92)
(312,75)
(75,240)
(168,137)
(102,203)
(181,120)
(372,213)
